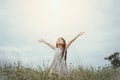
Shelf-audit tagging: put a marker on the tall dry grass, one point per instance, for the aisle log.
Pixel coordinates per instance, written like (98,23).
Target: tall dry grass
(17,71)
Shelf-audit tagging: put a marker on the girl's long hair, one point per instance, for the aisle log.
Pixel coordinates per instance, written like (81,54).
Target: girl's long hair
(64,48)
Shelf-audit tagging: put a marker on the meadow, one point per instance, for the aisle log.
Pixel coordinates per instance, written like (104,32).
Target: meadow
(17,71)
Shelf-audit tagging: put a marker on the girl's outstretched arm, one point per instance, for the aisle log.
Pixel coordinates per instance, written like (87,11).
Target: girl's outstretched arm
(81,33)
(47,43)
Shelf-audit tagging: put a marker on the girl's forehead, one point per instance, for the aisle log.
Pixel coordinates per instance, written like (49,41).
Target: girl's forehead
(59,39)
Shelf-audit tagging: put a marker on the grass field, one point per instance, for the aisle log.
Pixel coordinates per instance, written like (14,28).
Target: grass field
(16,71)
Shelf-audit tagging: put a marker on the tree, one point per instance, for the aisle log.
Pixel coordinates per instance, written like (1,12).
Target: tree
(114,59)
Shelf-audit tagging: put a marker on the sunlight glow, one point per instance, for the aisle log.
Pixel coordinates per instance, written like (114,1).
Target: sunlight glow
(56,17)
(56,3)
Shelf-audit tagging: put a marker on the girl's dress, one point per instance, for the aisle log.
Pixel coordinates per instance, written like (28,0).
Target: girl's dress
(59,66)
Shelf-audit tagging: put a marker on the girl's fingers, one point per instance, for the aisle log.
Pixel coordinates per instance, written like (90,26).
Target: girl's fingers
(40,40)
(81,33)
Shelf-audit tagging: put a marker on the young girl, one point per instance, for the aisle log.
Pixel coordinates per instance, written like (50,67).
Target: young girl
(59,66)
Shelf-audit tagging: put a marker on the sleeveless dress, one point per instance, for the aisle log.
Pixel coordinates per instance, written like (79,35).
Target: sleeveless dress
(59,66)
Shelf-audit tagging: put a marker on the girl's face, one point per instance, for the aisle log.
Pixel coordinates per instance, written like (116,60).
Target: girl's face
(60,41)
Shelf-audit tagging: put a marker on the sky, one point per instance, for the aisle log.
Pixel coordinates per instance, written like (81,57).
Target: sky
(24,22)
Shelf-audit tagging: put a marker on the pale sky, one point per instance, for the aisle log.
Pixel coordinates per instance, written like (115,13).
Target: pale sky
(24,22)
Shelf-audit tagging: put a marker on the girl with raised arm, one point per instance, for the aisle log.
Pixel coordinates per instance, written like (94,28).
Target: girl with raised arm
(59,66)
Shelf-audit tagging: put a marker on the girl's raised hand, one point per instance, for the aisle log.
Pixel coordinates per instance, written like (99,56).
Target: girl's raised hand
(81,33)
(41,40)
